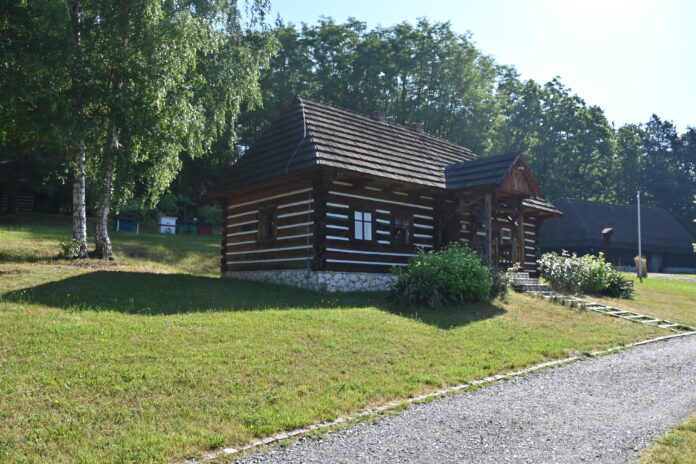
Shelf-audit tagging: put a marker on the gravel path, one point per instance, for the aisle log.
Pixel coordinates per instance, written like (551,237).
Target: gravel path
(602,410)
(672,276)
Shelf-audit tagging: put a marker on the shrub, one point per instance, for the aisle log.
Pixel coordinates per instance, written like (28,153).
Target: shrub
(211,214)
(452,275)
(136,209)
(619,286)
(500,282)
(70,248)
(583,274)
(174,205)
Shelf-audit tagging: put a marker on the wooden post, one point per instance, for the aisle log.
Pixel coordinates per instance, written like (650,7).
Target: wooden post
(520,234)
(320,192)
(223,259)
(487,217)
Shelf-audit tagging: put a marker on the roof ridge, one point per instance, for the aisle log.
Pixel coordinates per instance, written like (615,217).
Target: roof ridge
(604,203)
(389,123)
(482,159)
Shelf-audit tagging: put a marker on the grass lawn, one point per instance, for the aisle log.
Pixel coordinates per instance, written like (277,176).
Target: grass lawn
(36,238)
(670,299)
(155,359)
(677,447)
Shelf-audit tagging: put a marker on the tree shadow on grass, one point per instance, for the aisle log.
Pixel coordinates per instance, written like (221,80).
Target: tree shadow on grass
(142,293)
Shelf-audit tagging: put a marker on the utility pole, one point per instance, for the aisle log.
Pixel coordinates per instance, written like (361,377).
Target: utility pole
(640,249)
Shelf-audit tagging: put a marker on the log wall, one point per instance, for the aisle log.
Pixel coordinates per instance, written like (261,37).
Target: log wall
(292,247)
(315,220)
(343,253)
(531,243)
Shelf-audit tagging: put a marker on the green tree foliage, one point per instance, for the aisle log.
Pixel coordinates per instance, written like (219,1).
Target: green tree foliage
(669,167)
(422,73)
(141,84)
(146,88)
(569,145)
(428,73)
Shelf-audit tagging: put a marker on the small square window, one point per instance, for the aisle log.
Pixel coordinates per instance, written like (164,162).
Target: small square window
(267,224)
(362,225)
(401,230)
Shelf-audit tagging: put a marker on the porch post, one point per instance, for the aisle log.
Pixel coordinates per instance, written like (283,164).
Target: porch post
(487,215)
(520,234)
(320,191)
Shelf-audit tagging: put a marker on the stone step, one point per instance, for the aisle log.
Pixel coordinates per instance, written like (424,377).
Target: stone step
(526,281)
(616,313)
(668,326)
(534,288)
(521,274)
(610,311)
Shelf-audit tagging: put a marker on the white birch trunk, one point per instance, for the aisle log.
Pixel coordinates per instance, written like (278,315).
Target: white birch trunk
(80,162)
(79,231)
(103,241)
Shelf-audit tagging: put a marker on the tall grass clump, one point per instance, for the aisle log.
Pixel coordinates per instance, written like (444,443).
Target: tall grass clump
(452,275)
(583,274)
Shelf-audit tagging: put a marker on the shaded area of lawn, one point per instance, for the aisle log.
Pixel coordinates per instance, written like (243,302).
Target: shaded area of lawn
(146,293)
(670,299)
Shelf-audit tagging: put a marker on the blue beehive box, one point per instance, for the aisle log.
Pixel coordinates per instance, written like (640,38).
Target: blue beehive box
(126,225)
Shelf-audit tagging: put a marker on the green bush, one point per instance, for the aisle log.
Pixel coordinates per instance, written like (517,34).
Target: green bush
(452,275)
(500,282)
(70,248)
(174,205)
(211,214)
(583,274)
(135,209)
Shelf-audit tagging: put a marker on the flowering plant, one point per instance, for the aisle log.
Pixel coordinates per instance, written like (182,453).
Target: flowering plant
(583,274)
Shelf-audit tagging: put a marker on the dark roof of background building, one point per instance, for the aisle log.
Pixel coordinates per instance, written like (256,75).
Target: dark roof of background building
(584,221)
(311,134)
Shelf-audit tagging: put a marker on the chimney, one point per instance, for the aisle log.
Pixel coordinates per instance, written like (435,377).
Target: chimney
(417,127)
(379,115)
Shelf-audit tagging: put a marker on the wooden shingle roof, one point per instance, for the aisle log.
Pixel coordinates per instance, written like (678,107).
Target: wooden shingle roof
(542,206)
(312,134)
(479,172)
(584,221)
(315,134)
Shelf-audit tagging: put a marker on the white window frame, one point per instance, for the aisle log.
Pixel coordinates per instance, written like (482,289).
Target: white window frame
(363,225)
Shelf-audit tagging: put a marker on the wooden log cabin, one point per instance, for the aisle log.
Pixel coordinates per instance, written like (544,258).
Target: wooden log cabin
(330,199)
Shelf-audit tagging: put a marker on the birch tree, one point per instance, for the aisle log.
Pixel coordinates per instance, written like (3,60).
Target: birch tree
(171,77)
(135,85)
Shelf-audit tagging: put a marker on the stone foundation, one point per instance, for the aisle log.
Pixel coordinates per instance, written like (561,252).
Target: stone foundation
(327,281)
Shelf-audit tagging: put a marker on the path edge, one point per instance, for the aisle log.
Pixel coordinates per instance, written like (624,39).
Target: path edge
(230,452)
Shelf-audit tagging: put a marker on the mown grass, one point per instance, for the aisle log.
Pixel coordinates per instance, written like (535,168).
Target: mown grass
(155,360)
(677,447)
(670,299)
(36,238)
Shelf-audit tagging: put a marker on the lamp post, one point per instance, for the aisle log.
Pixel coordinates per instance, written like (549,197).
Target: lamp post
(640,249)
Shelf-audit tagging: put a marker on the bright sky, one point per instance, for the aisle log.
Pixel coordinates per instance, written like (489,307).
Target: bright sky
(631,57)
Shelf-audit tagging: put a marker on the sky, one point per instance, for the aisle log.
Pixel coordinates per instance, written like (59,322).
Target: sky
(631,57)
